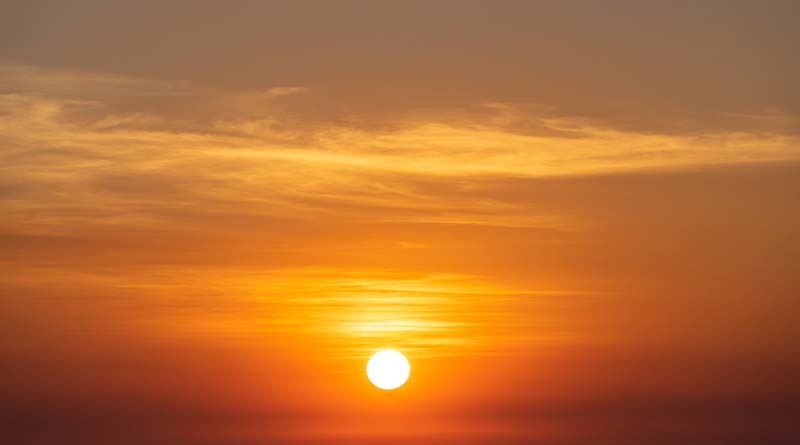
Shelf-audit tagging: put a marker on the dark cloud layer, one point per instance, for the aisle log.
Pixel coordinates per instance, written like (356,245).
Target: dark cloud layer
(655,67)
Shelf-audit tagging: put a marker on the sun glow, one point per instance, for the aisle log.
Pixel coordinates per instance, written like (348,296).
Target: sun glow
(388,369)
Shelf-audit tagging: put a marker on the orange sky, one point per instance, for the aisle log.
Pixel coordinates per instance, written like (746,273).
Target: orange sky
(578,221)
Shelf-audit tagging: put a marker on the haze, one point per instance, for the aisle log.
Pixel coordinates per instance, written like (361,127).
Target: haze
(580,221)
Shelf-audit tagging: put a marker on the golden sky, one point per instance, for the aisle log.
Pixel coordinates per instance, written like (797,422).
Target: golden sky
(578,220)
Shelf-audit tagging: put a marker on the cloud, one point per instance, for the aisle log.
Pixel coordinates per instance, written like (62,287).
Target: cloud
(285,91)
(84,149)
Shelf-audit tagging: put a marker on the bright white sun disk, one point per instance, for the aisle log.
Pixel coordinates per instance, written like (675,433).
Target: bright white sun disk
(388,369)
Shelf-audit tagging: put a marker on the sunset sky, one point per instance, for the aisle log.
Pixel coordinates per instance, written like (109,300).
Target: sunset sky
(579,221)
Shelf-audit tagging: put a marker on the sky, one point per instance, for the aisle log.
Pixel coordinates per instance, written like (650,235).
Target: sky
(580,221)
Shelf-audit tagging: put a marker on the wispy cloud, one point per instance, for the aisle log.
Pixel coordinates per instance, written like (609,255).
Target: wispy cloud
(83,149)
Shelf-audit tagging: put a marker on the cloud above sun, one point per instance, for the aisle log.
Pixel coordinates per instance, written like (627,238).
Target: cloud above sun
(144,147)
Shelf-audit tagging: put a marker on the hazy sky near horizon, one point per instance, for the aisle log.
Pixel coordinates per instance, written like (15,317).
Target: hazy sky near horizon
(579,220)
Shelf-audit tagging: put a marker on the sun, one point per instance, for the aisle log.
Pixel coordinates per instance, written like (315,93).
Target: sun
(388,369)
